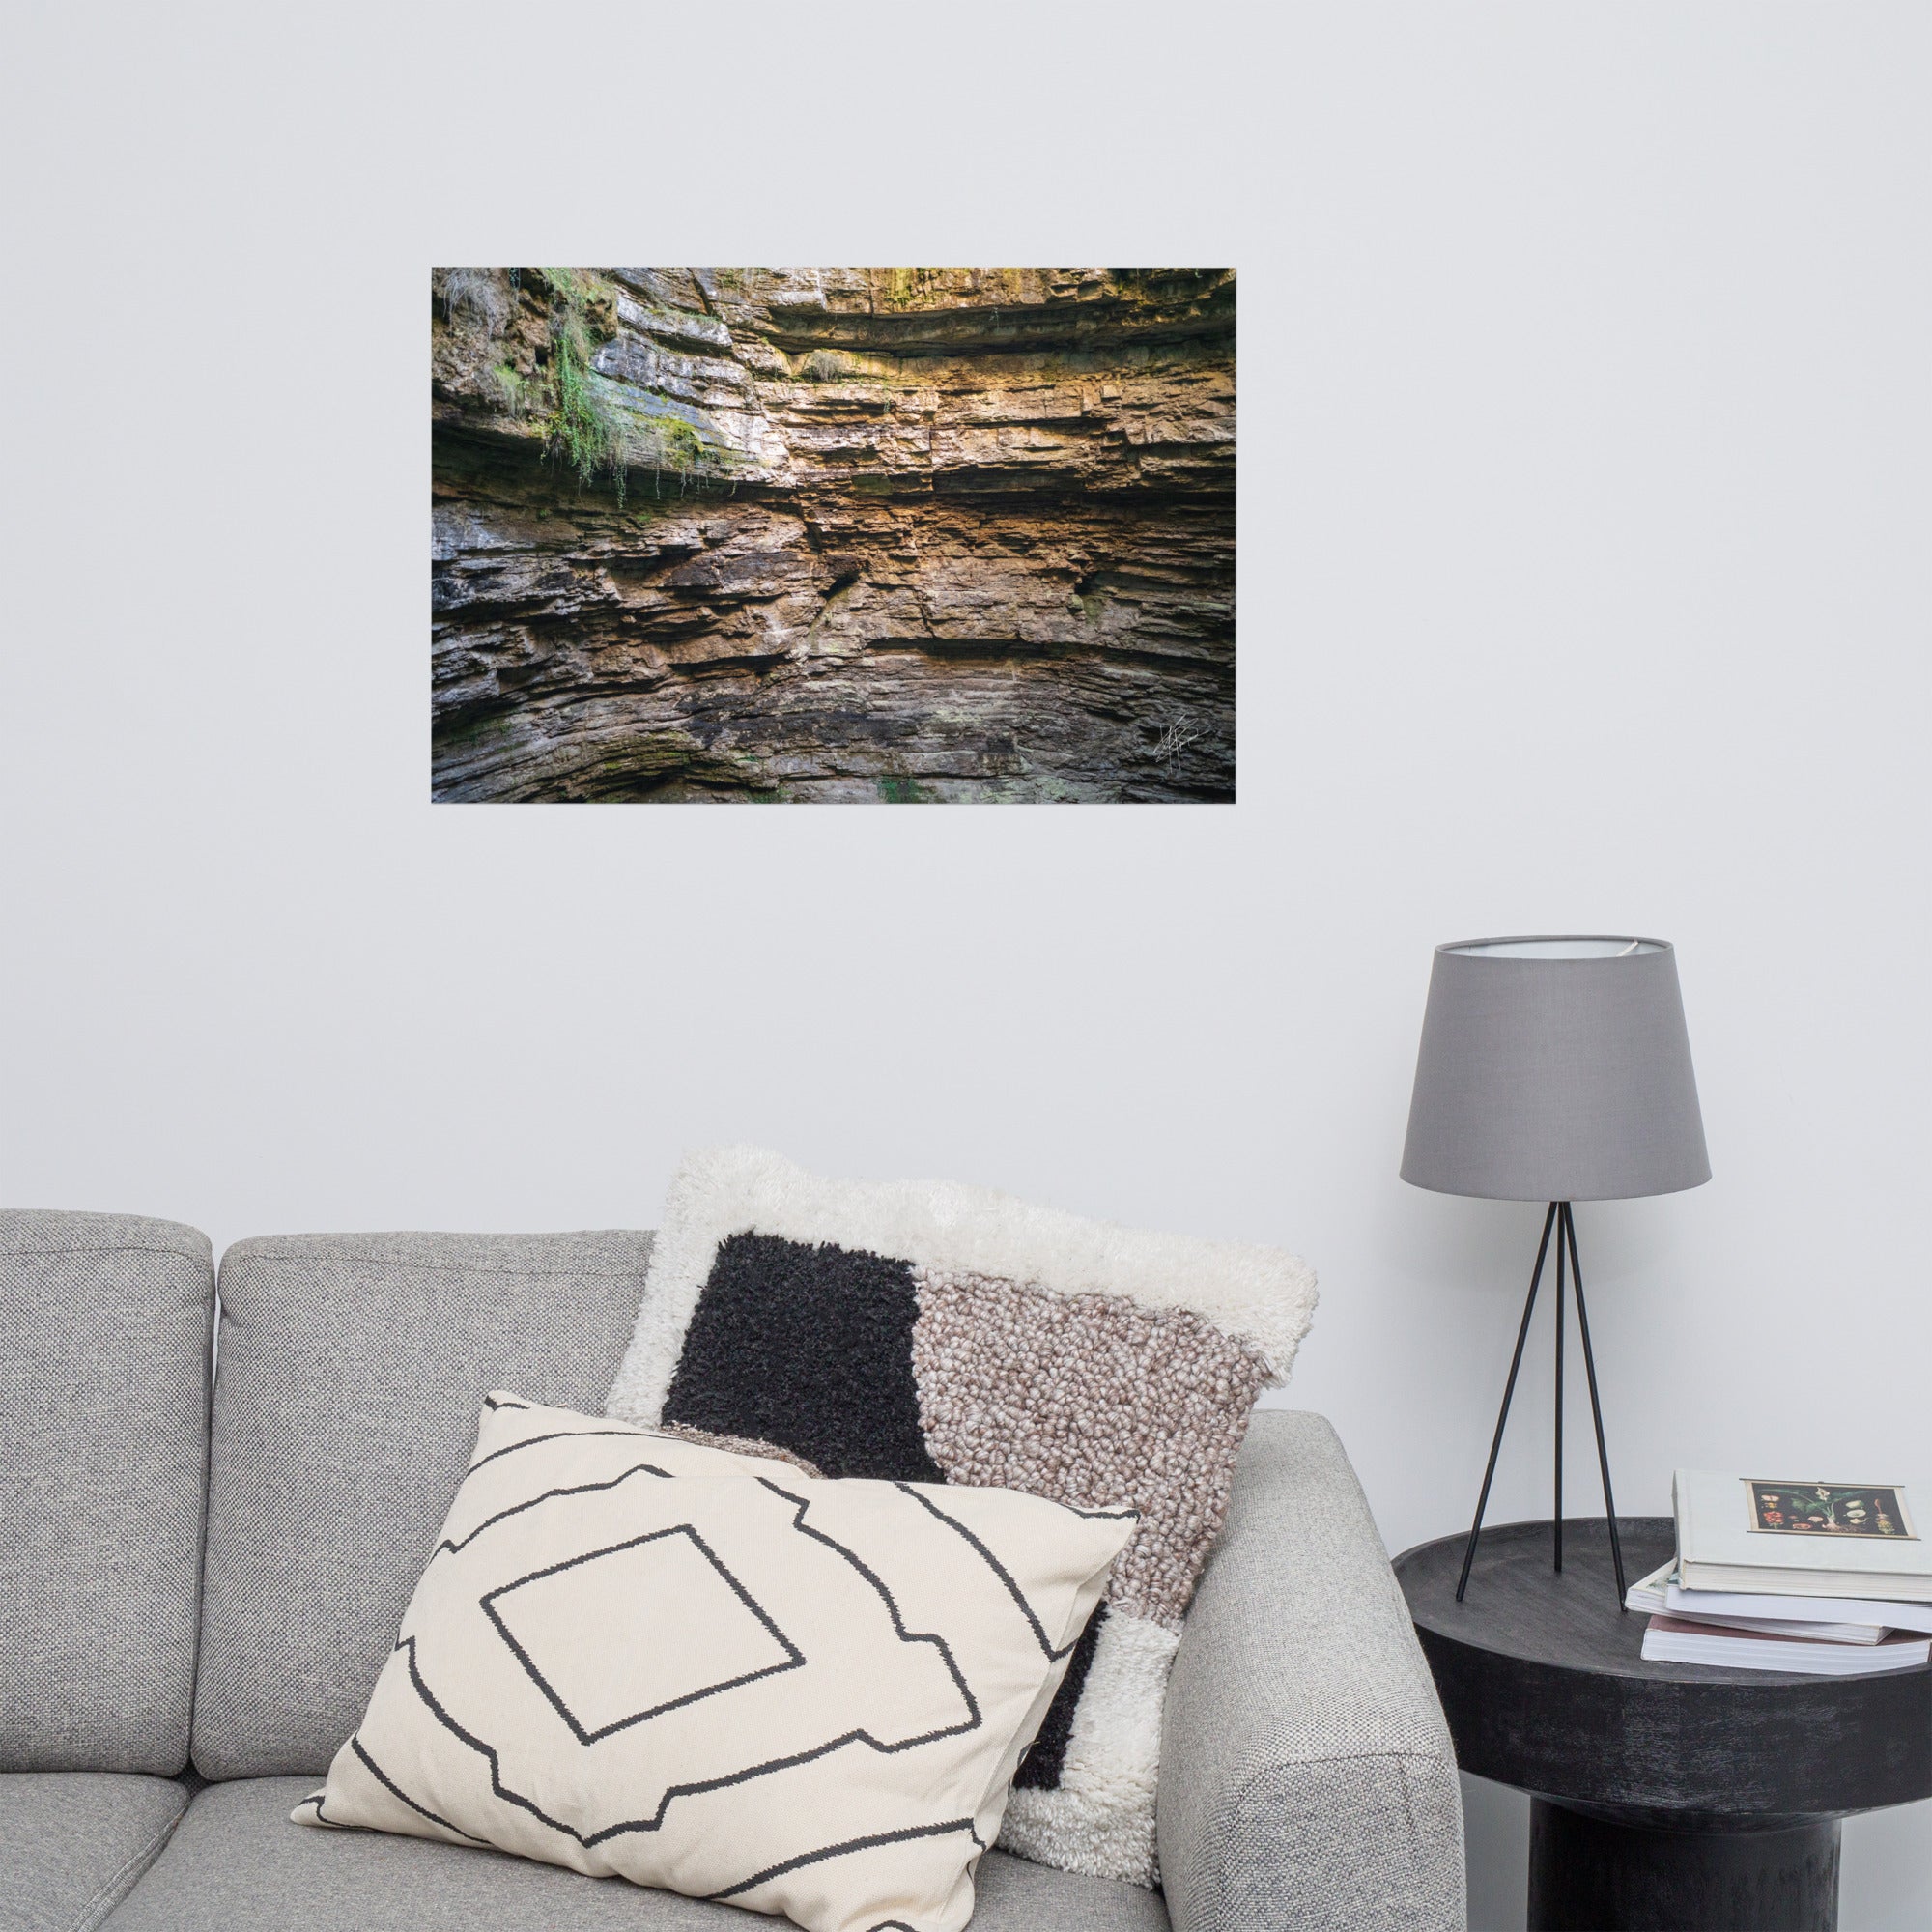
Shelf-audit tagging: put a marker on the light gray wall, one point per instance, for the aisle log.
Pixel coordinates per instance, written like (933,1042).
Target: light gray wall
(1585,585)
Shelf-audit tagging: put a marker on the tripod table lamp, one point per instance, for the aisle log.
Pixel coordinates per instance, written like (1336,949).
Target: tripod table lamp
(1554,1070)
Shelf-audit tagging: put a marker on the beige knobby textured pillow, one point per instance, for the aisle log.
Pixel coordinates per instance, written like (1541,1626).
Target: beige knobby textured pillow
(637,1654)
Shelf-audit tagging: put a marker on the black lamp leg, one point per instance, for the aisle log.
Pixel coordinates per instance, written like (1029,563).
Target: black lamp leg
(1562,1314)
(1596,1407)
(1509,1389)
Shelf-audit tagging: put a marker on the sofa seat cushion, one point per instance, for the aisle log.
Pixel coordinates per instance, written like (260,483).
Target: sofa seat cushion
(236,1865)
(104,1411)
(71,1842)
(345,1406)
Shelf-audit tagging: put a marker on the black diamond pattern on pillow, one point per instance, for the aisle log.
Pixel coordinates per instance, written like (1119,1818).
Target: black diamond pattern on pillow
(603,1677)
(809,1349)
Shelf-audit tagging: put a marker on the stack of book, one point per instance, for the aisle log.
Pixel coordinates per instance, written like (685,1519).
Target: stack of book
(1828,1579)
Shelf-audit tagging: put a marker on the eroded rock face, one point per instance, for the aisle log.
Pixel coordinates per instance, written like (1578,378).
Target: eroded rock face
(834,533)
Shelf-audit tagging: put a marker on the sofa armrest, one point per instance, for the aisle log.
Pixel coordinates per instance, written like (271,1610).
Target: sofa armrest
(1307,1779)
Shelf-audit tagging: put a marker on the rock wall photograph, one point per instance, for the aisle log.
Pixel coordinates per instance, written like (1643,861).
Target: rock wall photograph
(891,535)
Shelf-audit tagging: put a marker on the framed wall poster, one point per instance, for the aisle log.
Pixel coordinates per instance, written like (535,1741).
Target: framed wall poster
(835,534)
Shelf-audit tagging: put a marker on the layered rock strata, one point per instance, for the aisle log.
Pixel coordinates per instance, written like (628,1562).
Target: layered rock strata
(833,533)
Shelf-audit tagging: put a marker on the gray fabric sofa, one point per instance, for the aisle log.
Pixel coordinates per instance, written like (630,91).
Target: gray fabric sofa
(201,1574)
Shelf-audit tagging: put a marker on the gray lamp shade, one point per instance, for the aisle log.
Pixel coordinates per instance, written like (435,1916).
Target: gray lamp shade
(1555,1069)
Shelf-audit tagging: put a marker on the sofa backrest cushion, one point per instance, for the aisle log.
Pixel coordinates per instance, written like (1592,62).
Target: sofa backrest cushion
(351,1371)
(104,1323)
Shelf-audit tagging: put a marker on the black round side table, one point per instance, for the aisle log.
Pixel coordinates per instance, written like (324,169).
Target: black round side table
(1670,1795)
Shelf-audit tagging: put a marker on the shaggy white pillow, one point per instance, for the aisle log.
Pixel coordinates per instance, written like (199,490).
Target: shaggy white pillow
(635,1654)
(930,1332)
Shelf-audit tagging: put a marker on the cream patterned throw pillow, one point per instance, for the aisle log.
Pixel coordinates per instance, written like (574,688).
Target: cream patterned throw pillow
(634,1654)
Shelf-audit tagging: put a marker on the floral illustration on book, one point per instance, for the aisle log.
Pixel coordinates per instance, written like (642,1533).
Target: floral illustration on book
(1828,1509)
